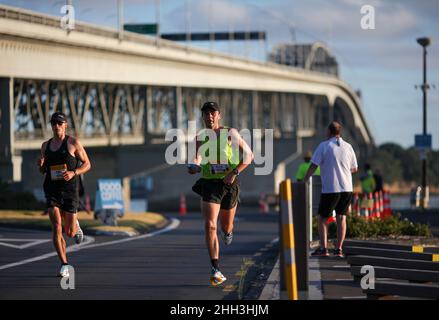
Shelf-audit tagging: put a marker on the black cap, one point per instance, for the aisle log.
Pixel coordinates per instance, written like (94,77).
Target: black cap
(210,105)
(58,116)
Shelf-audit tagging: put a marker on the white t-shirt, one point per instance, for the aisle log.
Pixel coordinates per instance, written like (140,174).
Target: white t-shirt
(336,159)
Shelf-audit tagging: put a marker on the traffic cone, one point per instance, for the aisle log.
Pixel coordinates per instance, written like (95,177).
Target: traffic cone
(356,204)
(381,204)
(183,209)
(364,206)
(376,205)
(263,205)
(386,201)
(370,204)
(87,204)
(331,219)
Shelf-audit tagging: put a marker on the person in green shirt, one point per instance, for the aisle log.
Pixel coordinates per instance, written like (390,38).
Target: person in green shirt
(367,179)
(303,168)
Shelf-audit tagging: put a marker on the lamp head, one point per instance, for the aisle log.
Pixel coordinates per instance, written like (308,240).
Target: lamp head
(425,42)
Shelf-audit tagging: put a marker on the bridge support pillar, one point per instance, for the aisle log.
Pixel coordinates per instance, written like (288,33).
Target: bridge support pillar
(10,163)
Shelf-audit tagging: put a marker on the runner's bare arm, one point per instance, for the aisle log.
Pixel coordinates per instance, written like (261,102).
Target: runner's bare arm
(81,154)
(41,159)
(247,153)
(312,168)
(197,158)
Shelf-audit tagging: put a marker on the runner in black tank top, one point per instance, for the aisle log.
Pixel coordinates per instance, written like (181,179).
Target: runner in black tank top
(59,162)
(60,193)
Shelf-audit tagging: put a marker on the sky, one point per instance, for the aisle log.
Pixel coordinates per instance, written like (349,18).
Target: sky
(384,63)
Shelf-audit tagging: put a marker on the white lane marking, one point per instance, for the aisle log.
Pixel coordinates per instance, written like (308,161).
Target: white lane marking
(173,225)
(357,297)
(341,267)
(32,242)
(72,248)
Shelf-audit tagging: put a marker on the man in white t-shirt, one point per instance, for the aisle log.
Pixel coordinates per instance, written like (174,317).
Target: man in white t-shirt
(337,162)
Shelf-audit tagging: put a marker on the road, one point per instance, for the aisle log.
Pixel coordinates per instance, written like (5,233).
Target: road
(171,265)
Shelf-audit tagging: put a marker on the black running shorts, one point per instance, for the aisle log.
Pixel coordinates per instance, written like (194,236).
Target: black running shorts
(65,198)
(339,202)
(216,191)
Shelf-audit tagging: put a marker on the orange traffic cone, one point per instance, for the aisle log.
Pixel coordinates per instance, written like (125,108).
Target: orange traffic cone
(183,209)
(263,205)
(387,208)
(370,204)
(376,206)
(87,204)
(331,219)
(356,204)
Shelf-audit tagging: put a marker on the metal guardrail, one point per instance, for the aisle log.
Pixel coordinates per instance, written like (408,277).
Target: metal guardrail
(394,265)
(385,288)
(391,246)
(398,274)
(399,254)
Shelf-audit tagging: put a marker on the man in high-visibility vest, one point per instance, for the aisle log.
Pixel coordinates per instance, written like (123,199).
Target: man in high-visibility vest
(367,180)
(303,168)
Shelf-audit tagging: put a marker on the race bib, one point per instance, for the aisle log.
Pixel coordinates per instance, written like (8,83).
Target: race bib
(57,172)
(219,168)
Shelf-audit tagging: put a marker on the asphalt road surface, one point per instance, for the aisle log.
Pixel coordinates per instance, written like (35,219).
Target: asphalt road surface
(170,265)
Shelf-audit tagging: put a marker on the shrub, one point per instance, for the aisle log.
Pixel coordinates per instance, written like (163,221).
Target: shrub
(359,227)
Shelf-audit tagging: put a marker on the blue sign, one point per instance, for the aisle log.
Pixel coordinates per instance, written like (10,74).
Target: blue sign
(423,141)
(109,195)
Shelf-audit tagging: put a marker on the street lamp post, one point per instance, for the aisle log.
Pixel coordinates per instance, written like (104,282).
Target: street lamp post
(424,42)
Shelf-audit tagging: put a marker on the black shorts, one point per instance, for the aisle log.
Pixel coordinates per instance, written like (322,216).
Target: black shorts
(216,191)
(339,202)
(64,197)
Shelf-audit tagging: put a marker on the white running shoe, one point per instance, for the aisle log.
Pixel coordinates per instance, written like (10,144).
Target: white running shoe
(64,272)
(227,238)
(216,277)
(79,236)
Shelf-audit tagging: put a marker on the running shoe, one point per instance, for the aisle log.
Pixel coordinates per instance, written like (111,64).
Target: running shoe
(79,236)
(320,252)
(64,272)
(338,253)
(216,277)
(227,238)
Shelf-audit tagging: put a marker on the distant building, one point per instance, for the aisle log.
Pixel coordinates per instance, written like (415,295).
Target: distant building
(314,56)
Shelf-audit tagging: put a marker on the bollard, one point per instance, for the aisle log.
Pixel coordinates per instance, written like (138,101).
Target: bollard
(301,234)
(287,236)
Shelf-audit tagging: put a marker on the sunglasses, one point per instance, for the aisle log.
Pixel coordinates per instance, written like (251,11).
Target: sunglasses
(60,123)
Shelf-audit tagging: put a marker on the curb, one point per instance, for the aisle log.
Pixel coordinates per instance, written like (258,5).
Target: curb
(116,233)
(272,290)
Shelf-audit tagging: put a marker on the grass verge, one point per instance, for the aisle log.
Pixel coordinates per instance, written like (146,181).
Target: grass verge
(137,222)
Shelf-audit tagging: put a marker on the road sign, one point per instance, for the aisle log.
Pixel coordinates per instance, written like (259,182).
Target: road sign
(141,28)
(109,195)
(423,141)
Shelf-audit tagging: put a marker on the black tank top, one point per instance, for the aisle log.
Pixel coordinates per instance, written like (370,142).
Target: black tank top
(60,157)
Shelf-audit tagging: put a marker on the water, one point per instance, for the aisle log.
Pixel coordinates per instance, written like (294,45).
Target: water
(403,202)
(138,205)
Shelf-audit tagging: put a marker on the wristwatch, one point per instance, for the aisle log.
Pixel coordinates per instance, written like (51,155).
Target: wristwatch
(236,172)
